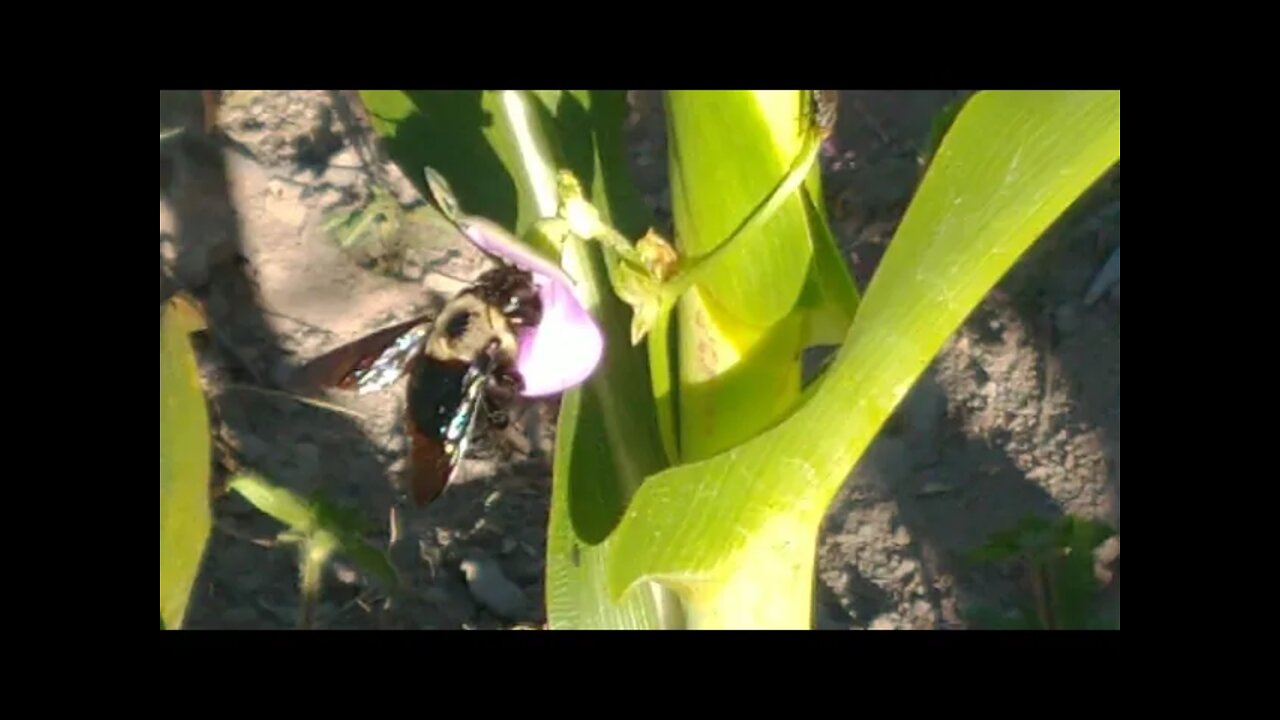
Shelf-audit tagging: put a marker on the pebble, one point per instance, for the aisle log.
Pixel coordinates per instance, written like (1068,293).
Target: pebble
(330,199)
(344,169)
(902,536)
(344,573)
(924,612)
(491,588)
(883,622)
(1066,319)
(933,487)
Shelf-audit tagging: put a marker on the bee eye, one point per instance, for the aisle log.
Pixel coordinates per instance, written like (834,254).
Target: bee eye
(457,325)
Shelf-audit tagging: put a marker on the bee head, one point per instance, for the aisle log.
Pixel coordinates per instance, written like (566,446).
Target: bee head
(513,291)
(465,328)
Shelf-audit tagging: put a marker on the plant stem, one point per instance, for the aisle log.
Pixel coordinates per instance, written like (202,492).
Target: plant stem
(1040,591)
(315,552)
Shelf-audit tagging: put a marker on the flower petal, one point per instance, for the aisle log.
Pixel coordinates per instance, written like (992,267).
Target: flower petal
(565,348)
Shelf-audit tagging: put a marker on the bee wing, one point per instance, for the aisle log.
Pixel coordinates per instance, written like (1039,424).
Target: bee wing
(436,459)
(430,465)
(368,363)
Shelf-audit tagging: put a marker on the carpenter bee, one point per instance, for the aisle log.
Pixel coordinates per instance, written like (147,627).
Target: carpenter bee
(461,368)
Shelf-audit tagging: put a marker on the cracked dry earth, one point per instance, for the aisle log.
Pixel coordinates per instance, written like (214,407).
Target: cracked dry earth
(1019,414)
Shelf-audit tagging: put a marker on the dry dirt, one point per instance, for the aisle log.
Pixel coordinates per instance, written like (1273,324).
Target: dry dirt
(1020,413)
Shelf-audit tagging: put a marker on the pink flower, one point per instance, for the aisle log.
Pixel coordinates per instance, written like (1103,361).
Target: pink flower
(565,348)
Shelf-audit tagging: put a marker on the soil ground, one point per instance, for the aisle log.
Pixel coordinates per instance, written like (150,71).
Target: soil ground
(1019,415)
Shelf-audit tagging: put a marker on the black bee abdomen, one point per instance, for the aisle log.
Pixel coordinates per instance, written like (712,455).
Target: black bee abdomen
(435,393)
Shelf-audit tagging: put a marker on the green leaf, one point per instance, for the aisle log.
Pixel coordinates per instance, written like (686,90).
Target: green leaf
(938,129)
(831,298)
(320,524)
(1076,587)
(740,332)
(184,461)
(735,534)
(728,148)
(280,503)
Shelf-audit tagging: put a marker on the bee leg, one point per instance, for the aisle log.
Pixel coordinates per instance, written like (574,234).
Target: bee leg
(502,393)
(498,418)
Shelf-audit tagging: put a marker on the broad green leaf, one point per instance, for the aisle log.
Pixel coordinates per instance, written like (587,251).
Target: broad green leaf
(727,149)
(740,332)
(831,298)
(492,147)
(735,534)
(938,129)
(184,461)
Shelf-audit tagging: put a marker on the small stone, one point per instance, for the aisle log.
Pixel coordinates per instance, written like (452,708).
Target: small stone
(924,613)
(168,249)
(902,536)
(1104,557)
(883,622)
(345,574)
(905,570)
(346,158)
(933,487)
(330,199)
(491,588)
(344,169)
(1066,319)
(305,176)
(413,270)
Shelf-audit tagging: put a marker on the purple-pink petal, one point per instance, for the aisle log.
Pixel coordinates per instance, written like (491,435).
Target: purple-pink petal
(565,348)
